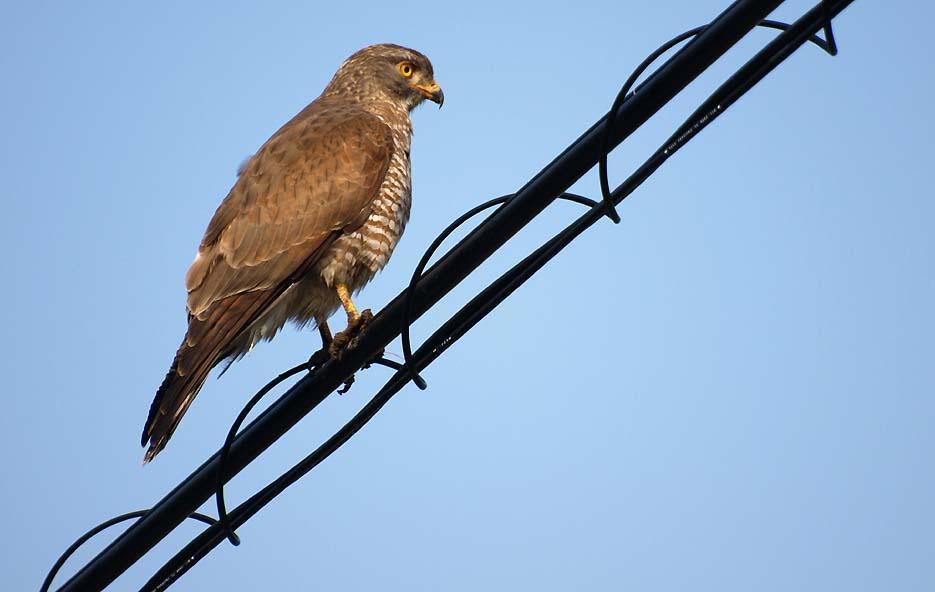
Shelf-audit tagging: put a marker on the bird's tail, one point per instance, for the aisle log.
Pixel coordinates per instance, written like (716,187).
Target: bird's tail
(208,341)
(177,392)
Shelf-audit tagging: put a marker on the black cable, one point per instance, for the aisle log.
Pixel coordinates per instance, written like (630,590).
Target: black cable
(47,583)
(223,521)
(472,312)
(609,207)
(506,284)
(231,433)
(407,319)
(437,281)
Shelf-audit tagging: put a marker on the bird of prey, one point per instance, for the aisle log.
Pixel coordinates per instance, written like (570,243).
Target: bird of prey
(312,217)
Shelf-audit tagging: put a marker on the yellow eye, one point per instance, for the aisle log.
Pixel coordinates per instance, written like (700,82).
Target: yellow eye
(406,69)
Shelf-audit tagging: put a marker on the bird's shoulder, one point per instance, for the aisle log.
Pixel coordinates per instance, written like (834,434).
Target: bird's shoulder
(331,147)
(321,129)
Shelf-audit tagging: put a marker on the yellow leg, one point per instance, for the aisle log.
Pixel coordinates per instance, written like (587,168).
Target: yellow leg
(349,308)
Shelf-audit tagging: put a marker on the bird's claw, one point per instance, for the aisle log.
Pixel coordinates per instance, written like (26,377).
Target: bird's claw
(347,385)
(319,358)
(347,340)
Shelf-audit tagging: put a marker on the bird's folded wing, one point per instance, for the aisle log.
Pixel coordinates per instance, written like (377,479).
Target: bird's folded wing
(316,176)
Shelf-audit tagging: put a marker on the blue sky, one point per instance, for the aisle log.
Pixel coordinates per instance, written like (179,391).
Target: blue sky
(731,390)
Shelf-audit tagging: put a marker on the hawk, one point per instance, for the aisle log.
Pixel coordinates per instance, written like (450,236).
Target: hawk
(312,217)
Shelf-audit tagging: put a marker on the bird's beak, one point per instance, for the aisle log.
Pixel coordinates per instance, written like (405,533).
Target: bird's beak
(431,91)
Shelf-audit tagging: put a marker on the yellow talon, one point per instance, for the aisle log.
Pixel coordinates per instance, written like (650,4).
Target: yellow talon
(349,308)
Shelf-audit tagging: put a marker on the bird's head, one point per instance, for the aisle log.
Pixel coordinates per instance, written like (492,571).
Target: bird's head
(387,72)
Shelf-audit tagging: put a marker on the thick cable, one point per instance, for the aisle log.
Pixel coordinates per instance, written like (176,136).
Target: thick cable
(407,319)
(468,316)
(50,577)
(678,71)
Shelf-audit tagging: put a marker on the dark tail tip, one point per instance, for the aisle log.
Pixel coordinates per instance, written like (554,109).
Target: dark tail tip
(154,406)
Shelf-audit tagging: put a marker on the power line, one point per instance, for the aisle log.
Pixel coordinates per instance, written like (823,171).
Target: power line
(629,113)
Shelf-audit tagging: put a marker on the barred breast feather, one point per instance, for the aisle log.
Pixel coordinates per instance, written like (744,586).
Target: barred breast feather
(356,257)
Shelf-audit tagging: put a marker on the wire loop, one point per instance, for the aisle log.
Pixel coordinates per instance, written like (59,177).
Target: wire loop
(610,208)
(47,583)
(831,44)
(407,319)
(223,520)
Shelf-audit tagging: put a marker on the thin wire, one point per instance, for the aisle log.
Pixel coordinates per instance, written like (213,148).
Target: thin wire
(608,202)
(832,45)
(47,583)
(609,207)
(417,273)
(427,256)
(223,520)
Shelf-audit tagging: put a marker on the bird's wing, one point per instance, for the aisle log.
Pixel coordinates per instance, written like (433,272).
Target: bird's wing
(313,180)
(316,176)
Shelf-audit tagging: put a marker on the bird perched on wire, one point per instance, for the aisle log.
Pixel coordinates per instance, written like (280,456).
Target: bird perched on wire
(312,217)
